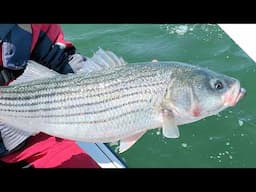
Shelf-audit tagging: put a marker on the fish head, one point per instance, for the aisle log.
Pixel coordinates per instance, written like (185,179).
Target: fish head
(195,93)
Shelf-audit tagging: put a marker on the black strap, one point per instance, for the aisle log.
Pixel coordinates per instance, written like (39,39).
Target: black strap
(7,75)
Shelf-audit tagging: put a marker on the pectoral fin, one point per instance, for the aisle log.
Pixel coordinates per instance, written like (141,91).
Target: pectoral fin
(128,142)
(170,129)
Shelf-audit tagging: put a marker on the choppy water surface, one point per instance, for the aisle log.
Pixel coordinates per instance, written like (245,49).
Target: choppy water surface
(226,140)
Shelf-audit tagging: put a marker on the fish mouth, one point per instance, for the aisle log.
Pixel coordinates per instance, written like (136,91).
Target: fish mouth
(240,95)
(232,97)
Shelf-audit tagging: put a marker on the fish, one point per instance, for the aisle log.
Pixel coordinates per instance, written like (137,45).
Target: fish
(109,100)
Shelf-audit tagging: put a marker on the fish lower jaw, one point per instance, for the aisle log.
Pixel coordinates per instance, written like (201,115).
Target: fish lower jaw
(234,96)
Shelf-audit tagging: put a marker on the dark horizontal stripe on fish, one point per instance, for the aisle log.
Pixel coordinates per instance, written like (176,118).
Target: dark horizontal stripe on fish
(40,85)
(55,91)
(23,102)
(63,79)
(74,114)
(113,118)
(64,100)
(100,120)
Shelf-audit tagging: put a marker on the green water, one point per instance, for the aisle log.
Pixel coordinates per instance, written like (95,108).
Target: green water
(227,140)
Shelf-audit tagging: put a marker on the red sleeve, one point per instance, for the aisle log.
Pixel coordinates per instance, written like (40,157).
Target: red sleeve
(53,31)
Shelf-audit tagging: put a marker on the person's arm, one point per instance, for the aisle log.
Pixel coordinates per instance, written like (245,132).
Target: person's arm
(50,48)
(43,43)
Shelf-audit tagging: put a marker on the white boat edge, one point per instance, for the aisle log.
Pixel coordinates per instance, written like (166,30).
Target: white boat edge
(244,35)
(102,154)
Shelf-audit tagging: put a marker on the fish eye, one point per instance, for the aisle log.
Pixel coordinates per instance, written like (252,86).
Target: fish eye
(218,85)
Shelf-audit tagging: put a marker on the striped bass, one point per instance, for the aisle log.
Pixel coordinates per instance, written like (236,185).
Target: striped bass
(109,100)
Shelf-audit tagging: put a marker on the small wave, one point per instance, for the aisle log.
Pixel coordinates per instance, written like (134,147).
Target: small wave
(176,29)
(204,32)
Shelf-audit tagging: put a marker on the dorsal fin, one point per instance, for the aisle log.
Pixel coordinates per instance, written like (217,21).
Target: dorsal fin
(101,60)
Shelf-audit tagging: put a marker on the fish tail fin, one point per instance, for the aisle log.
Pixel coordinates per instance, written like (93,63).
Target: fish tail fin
(12,137)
